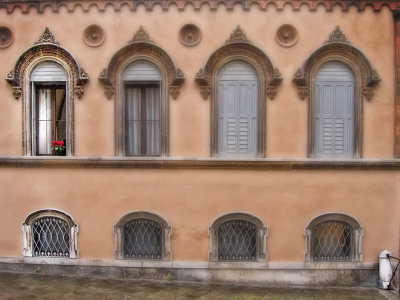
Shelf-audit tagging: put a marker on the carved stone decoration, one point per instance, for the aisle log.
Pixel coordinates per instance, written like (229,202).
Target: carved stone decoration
(287,35)
(239,46)
(238,36)
(17,92)
(141,36)
(205,91)
(337,36)
(338,48)
(47,37)
(6,37)
(94,35)
(79,91)
(174,91)
(46,46)
(140,45)
(25,6)
(368,93)
(271,92)
(190,35)
(109,92)
(303,92)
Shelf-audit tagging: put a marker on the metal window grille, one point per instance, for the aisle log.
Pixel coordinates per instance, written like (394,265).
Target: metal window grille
(237,241)
(332,241)
(143,239)
(51,237)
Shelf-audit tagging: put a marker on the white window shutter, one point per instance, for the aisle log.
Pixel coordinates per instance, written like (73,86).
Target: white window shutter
(237,110)
(334,112)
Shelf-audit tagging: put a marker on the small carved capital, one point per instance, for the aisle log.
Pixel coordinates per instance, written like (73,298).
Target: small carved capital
(205,92)
(238,36)
(141,36)
(109,91)
(17,92)
(79,91)
(179,73)
(271,92)
(302,92)
(174,91)
(47,37)
(10,77)
(368,93)
(200,73)
(83,75)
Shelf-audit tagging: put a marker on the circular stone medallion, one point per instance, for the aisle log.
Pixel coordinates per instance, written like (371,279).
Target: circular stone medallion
(190,35)
(94,35)
(6,37)
(286,35)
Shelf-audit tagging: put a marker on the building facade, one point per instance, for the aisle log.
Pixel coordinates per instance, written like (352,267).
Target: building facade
(234,141)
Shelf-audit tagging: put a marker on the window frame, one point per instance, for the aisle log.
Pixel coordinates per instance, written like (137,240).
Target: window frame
(262,233)
(27,250)
(358,106)
(119,235)
(30,116)
(142,86)
(54,86)
(120,105)
(261,110)
(357,236)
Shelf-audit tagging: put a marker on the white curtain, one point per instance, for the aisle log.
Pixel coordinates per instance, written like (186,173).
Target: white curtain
(44,121)
(139,130)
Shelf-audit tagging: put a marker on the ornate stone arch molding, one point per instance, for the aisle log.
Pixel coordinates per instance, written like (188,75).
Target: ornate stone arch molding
(358,233)
(239,47)
(167,232)
(47,47)
(262,233)
(337,47)
(29,221)
(141,46)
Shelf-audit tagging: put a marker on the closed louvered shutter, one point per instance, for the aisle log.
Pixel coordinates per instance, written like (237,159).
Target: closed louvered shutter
(334,111)
(237,111)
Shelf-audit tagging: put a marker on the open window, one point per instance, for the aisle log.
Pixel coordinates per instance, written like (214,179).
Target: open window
(48,107)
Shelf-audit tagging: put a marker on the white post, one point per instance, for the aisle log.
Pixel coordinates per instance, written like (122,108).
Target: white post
(385,270)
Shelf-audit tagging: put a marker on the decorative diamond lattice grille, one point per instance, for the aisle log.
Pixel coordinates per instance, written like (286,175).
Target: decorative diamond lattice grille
(332,241)
(51,237)
(237,241)
(142,239)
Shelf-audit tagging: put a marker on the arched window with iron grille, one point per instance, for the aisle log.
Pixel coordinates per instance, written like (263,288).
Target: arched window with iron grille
(238,237)
(50,233)
(142,235)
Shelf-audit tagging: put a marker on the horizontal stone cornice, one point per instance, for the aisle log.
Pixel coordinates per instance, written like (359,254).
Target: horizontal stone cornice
(193,164)
(26,6)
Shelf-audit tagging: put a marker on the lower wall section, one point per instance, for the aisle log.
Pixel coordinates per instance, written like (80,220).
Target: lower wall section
(364,275)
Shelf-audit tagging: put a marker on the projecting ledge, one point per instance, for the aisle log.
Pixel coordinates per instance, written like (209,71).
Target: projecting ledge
(196,163)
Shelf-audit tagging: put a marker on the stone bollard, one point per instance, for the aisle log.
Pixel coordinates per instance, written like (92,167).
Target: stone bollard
(385,270)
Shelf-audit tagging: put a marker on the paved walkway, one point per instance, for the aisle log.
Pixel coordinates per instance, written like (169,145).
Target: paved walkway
(43,286)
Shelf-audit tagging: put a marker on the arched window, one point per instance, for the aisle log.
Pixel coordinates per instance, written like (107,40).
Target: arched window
(238,237)
(142,107)
(237,110)
(142,235)
(50,233)
(239,77)
(335,78)
(142,76)
(334,118)
(48,78)
(49,109)
(334,238)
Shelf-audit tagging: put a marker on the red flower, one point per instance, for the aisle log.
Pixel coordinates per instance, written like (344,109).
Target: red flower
(57,143)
